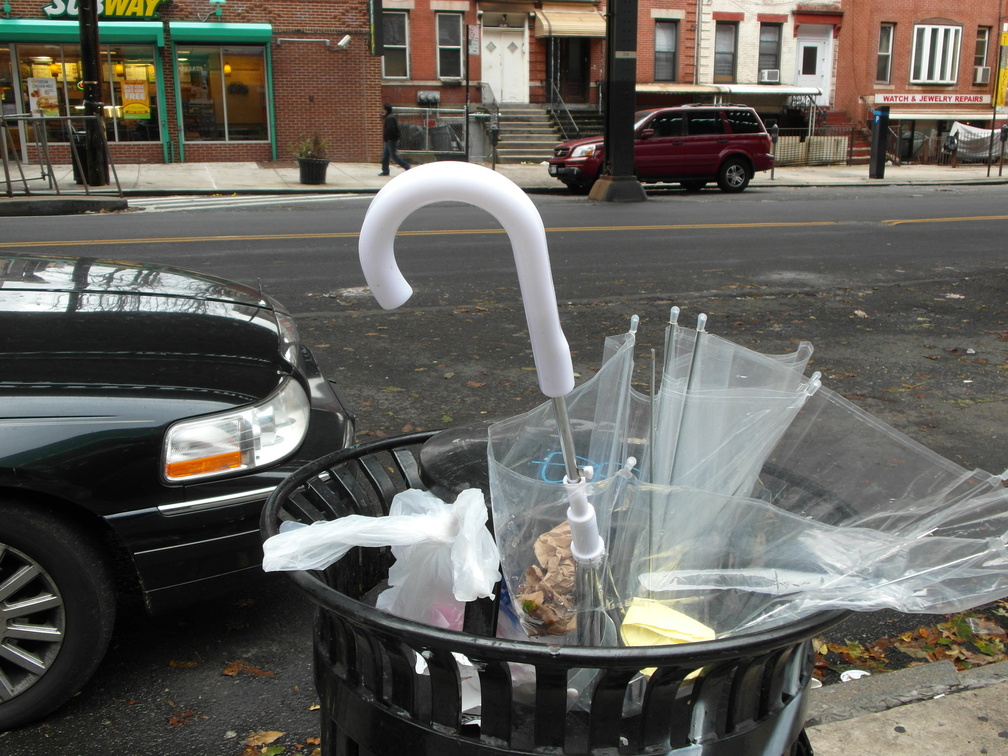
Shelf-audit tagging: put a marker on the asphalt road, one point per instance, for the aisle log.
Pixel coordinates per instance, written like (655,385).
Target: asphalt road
(903,292)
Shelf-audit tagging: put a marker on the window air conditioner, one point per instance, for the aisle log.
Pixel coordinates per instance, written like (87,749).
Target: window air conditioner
(769,76)
(981,74)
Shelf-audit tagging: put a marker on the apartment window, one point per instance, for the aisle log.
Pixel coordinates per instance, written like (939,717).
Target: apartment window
(883,64)
(395,36)
(982,43)
(935,54)
(725,47)
(666,50)
(449,31)
(769,46)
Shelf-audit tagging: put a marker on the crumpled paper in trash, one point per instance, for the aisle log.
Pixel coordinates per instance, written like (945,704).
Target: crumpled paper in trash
(547,597)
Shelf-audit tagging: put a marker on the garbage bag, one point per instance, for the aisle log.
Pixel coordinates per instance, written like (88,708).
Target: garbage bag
(445,556)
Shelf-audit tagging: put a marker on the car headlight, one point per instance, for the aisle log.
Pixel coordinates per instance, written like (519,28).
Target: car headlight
(242,439)
(585,150)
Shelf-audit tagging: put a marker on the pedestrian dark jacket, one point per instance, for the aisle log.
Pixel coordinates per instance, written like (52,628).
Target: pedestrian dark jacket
(390,130)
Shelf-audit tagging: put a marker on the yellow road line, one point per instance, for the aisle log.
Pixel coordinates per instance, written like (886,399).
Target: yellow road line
(945,220)
(353,234)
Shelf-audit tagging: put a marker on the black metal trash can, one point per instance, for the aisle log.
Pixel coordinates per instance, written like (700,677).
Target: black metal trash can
(744,695)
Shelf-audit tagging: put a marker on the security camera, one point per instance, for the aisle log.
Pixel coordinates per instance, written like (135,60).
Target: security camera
(344,43)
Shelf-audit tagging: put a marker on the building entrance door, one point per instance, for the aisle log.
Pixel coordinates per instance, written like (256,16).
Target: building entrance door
(814,58)
(568,66)
(505,63)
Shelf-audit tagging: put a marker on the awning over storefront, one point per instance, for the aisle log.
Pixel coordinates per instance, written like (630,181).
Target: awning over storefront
(945,115)
(672,87)
(569,20)
(239,34)
(38,30)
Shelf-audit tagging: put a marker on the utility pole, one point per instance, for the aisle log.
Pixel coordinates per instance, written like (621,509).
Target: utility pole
(95,158)
(618,183)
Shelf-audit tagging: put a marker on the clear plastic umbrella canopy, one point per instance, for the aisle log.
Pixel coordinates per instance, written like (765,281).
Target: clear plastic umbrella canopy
(742,493)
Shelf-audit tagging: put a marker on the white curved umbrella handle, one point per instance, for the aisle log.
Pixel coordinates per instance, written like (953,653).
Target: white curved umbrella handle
(486,189)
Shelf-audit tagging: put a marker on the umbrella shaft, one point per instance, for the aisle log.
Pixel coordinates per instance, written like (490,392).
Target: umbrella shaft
(566,439)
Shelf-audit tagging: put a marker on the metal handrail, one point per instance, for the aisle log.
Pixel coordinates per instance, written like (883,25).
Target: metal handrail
(561,114)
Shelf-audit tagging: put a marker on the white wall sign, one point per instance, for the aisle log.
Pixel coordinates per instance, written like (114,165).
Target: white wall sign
(923,98)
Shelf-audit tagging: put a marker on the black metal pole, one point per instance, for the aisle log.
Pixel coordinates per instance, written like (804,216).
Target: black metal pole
(618,182)
(95,156)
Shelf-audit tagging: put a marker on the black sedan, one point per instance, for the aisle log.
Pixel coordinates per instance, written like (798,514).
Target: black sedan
(146,413)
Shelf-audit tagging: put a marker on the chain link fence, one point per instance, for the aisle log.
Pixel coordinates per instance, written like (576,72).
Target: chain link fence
(441,134)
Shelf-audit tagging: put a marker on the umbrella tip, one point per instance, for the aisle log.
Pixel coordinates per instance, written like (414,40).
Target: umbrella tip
(673,317)
(634,322)
(701,322)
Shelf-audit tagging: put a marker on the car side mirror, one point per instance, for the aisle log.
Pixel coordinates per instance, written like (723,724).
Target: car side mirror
(645,133)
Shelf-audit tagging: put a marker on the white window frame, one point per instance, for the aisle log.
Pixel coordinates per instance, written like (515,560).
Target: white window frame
(935,57)
(673,25)
(982,46)
(457,49)
(885,48)
(778,29)
(405,47)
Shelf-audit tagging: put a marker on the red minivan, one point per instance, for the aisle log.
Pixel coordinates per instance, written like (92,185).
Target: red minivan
(688,144)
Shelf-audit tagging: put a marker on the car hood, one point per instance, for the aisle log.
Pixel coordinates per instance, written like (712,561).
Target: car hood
(578,142)
(81,323)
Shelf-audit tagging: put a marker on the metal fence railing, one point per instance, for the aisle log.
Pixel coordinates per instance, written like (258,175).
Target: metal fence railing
(826,145)
(39,131)
(441,133)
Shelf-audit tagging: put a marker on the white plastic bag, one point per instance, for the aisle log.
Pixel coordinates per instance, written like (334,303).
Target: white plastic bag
(445,556)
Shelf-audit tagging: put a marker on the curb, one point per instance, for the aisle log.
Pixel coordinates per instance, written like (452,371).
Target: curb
(878,693)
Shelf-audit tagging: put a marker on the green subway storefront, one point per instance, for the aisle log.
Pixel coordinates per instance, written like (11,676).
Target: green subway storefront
(173,91)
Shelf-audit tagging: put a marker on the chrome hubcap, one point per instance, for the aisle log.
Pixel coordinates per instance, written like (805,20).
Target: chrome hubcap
(735,175)
(32,622)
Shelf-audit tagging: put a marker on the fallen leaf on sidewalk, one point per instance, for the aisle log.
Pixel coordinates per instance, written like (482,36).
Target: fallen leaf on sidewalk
(263,738)
(232,669)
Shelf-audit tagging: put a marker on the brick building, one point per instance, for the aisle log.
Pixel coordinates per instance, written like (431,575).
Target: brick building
(932,63)
(192,80)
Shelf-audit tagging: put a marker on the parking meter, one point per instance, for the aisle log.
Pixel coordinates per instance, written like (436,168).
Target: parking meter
(1004,133)
(775,133)
(494,134)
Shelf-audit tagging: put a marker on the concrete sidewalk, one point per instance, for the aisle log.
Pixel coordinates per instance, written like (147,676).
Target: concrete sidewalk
(282,177)
(919,711)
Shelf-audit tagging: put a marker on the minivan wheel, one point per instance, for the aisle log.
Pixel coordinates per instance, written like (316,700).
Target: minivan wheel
(580,187)
(733,175)
(57,610)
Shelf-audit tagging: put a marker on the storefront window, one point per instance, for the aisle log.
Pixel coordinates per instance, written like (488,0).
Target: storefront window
(50,77)
(223,91)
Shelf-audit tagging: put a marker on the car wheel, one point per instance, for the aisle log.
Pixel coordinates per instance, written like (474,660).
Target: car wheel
(581,187)
(733,175)
(693,186)
(57,609)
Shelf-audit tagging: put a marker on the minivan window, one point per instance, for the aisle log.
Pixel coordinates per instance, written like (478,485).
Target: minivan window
(667,124)
(743,122)
(705,122)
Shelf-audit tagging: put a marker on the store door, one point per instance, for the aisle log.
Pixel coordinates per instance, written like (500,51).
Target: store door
(504,63)
(814,57)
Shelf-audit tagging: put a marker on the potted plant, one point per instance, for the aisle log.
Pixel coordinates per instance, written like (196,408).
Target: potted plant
(312,157)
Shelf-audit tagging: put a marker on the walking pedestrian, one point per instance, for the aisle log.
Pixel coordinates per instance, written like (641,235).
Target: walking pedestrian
(390,136)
